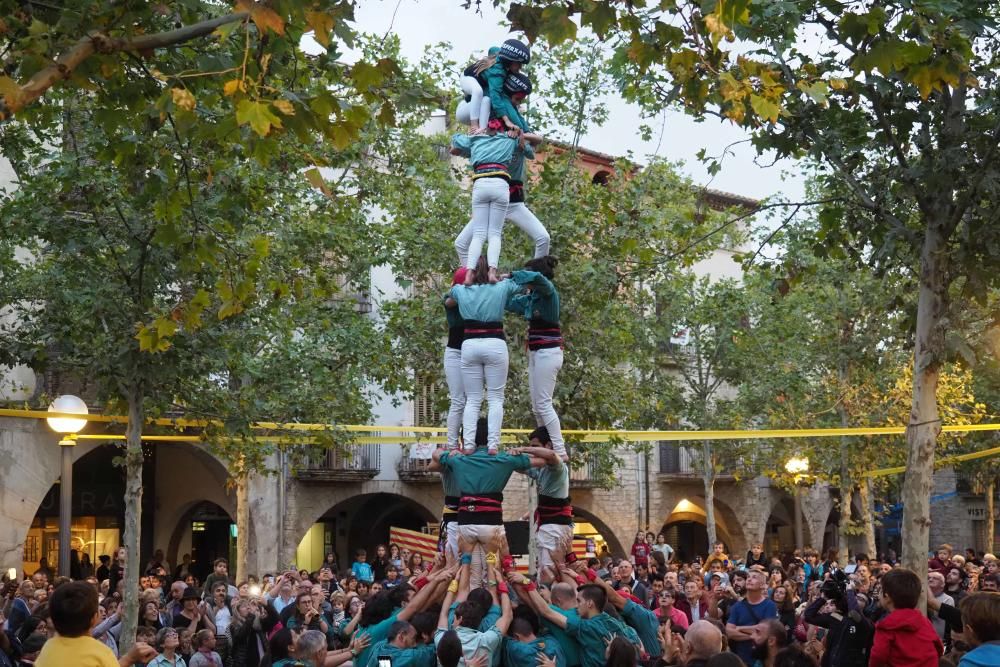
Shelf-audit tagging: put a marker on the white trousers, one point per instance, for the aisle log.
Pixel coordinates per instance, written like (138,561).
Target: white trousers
(451,543)
(478,107)
(554,542)
(543,369)
(484,361)
(523,218)
(490,197)
(456,393)
(487,539)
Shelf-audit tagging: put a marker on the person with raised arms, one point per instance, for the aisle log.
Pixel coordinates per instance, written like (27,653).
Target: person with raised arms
(482,477)
(485,358)
(554,533)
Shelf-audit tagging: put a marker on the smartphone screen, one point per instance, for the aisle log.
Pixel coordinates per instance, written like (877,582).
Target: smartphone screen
(384,661)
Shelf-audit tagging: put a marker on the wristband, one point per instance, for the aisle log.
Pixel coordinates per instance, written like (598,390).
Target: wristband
(580,581)
(591,574)
(502,588)
(507,563)
(420,582)
(466,559)
(453,586)
(491,583)
(531,586)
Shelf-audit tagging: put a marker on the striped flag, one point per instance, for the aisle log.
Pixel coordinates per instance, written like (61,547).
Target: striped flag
(426,545)
(414,541)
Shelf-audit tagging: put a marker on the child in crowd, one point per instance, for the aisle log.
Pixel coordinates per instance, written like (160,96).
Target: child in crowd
(73,609)
(904,638)
(718,554)
(205,655)
(981,619)
(361,569)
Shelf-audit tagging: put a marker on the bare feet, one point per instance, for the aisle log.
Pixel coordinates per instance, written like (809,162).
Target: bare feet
(469,277)
(494,278)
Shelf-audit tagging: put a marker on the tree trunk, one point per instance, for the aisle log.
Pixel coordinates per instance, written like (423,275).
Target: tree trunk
(846,483)
(133,516)
(990,514)
(242,521)
(868,510)
(708,476)
(844,526)
(924,425)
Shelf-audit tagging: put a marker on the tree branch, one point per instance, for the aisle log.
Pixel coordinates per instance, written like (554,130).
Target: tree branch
(100,42)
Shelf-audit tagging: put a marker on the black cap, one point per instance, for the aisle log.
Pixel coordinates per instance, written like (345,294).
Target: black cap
(516,82)
(516,51)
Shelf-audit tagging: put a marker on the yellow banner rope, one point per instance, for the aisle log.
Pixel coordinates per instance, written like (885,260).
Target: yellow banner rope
(585,435)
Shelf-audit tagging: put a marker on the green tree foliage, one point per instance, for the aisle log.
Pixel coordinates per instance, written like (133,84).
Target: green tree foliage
(896,101)
(710,322)
(169,184)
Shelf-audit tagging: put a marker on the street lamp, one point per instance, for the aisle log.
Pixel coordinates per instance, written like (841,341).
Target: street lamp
(67,427)
(798,467)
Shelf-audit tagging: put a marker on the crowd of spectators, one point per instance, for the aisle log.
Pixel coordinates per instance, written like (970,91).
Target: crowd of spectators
(397,609)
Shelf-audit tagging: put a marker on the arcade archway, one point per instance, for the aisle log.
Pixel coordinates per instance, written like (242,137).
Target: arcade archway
(360,522)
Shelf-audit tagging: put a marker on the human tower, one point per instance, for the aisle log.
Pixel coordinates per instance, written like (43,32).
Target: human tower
(476,358)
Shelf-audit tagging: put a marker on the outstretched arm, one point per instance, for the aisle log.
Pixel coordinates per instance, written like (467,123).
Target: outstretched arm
(538,602)
(550,457)
(424,596)
(613,597)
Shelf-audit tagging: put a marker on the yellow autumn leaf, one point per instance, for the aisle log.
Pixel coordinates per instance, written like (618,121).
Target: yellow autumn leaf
(322,24)
(284,106)
(233,86)
(838,84)
(183,99)
(12,94)
(264,17)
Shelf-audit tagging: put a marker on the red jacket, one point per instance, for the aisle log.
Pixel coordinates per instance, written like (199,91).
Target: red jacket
(905,638)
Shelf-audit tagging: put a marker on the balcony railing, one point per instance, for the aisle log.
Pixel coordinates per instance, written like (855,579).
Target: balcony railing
(349,464)
(675,460)
(584,477)
(679,461)
(416,470)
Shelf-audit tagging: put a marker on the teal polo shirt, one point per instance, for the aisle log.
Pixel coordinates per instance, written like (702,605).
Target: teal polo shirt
(553,480)
(481,473)
(378,632)
(518,654)
(489,619)
(485,148)
(449,483)
(591,633)
(646,625)
(543,302)
(422,655)
(569,645)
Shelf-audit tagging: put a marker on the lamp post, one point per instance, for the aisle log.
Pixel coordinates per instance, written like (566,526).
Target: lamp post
(67,427)
(798,466)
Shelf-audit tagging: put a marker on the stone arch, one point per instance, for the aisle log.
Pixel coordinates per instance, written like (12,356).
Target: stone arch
(687,514)
(779,531)
(182,526)
(360,514)
(614,543)
(186,476)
